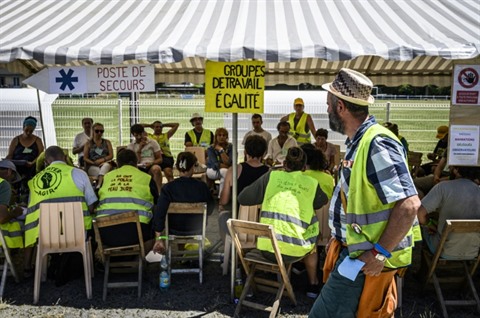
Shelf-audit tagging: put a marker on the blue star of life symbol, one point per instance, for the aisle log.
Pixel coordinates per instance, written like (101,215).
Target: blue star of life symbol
(66,79)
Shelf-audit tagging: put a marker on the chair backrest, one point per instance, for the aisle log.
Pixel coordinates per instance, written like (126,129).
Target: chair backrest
(337,154)
(239,227)
(414,161)
(199,152)
(325,231)
(468,243)
(248,213)
(195,208)
(117,219)
(61,226)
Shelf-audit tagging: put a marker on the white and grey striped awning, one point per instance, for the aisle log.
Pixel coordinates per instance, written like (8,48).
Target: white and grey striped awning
(393,41)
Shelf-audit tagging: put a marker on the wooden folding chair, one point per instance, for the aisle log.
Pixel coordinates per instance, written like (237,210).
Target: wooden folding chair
(436,261)
(6,265)
(187,209)
(62,230)
(136,250)
(325,232)
(199,172)
(414,162)
(253,262)
(246,213)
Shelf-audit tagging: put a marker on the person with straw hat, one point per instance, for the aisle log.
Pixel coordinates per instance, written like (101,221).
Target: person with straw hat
(373,210)
(198,136)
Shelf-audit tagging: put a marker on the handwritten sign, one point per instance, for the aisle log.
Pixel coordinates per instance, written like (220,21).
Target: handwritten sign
(235,87)
(120,183)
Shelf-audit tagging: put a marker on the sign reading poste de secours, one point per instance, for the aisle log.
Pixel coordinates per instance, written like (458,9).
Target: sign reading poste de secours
(95,79)
(234,87)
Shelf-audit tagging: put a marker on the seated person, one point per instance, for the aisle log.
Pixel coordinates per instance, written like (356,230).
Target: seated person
(328,149)
(41,164)
(454,199)
(10,223)
(183,189)
(247,173)
(25,148)
(148,152)
(394,128)
(289,200)
(163,141)
(81,139)
(219,157)
(441,173)
(97,154)
(438,152)
(198,136)
(137,192)
(316,168)
(278,146)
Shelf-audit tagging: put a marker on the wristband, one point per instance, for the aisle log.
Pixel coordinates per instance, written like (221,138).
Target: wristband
(381,250)
(432,222)
(162,237)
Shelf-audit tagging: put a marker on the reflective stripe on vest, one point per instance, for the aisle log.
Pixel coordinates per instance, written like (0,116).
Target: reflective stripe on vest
(300,131)
(204,138)
(13,234)
(365,208)
(126,189)
(163,142)
(288,207)
(53,184)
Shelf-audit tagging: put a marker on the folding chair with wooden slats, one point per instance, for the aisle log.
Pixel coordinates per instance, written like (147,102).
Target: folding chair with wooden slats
(109,254)
(436,261)
(199,171)
(62,230)
(246,213)
(253,262)
(178,254)
(7,265)
(414,162)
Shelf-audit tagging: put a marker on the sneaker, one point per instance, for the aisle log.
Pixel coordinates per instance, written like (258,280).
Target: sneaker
(313,291)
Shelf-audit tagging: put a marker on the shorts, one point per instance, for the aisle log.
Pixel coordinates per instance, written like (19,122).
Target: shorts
(167,163)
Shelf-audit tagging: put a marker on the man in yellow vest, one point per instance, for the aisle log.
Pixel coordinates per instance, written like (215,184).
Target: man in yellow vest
(301,123)
(372,211)
(58,182)
(289,200)
(163,141)
(127,189)
(10,226)
(198,136)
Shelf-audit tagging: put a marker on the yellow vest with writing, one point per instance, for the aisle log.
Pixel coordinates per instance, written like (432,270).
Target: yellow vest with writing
(12,231)
(126,189)
(288,206)
(53,184)
(300,132)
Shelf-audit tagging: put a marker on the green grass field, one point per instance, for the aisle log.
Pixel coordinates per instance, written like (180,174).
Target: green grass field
(417,120)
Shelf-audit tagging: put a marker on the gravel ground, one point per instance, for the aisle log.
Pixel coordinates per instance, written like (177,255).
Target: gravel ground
(186,297)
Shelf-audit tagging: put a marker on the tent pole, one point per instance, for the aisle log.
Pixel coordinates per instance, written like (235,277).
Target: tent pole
(41,118)
(234,200)
(120,121)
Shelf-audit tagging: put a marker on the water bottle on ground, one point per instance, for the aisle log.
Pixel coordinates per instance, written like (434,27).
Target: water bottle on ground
(238,287)
(164,275)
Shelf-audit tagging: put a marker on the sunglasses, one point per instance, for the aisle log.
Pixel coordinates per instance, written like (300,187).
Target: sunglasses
(98,131)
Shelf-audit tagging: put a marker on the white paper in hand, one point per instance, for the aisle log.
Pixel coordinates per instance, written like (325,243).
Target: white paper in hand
(153,257)
(350,267)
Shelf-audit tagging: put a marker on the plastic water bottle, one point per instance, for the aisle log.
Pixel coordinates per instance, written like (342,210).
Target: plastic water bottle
(238,286)
(164,275)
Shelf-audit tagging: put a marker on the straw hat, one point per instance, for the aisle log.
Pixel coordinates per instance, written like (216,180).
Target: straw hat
(441,132)
(7,164)
(196,115)
(351,86)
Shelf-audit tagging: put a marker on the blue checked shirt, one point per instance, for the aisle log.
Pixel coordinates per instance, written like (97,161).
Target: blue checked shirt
(387,172)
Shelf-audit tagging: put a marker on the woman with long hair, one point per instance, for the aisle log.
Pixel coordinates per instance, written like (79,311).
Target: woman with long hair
(97,154)
(219,157)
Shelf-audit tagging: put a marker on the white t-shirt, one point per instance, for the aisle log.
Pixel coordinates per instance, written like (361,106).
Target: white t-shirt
(265,134)
(80,140)
(278,153)
(148,151)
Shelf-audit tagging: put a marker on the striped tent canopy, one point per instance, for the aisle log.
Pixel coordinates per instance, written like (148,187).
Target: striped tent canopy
(303,41)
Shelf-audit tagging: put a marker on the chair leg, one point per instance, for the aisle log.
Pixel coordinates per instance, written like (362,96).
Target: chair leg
(472,286)
(105,278)
(438,291)
(37,279)
(90,258)
(4,277)
(278,298)
(200,261)
(226,254)
(140,271)
(86,273)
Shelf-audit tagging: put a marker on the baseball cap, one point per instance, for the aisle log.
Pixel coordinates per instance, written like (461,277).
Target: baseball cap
(441,132)
(298,101)
(7,164)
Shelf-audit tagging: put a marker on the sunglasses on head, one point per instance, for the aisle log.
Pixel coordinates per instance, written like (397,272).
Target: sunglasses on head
(99,131)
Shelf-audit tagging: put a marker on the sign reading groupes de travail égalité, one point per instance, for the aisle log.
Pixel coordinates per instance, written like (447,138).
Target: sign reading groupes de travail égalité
(234,87)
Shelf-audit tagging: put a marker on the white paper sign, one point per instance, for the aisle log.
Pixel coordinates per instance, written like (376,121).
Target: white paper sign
(463,145)
(466,85)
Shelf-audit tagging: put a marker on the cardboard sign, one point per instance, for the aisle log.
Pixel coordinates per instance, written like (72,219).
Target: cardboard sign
(466,85)
(95,79)
(234,87)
